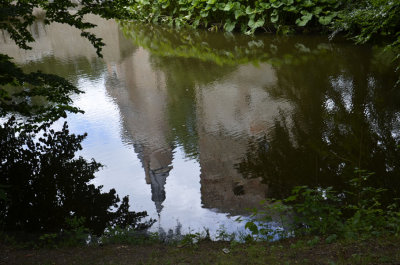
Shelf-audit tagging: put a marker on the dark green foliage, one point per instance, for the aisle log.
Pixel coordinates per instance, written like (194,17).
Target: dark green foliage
(317,144)
(362,21)
(372,20)
(246,16)
(366,20)
(44,188)
(16,16)
(37,94)
(18,91)
(47,185)
(356,213)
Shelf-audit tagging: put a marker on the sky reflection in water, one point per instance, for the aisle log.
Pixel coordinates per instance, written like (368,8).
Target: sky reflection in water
(196,127)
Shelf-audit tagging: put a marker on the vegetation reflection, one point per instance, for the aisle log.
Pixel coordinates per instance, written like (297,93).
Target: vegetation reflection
(344,113)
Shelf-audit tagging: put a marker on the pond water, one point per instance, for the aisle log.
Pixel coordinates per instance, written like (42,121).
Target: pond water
(197,127)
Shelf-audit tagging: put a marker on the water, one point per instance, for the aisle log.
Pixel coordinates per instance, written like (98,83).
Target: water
(196,126)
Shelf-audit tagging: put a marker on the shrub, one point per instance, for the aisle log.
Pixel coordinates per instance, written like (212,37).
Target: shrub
(357,213)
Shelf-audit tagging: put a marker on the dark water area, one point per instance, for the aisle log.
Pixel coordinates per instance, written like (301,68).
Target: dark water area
(198,126)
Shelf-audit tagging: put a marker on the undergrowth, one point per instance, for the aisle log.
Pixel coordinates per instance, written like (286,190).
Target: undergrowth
(357,213)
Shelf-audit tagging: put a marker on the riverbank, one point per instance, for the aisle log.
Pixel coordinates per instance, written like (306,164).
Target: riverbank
(371,21)
(383,250)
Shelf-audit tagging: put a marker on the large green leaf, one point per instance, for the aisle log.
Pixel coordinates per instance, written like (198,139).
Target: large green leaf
(229,25)
(304,19)
(228,6)
(325,20)
(258,23)
(276,4)
(249,10)
(265,5)
(252,227)
(238,13)
(274,16)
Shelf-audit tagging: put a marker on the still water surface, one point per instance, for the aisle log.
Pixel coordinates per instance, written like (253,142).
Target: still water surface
(196,127)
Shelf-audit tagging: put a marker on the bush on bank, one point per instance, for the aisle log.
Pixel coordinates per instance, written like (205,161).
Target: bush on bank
(360,212)
(242,15)
(361,21)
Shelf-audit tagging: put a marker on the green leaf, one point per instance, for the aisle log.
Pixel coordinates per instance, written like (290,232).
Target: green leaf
(258,23)
(238,13)
(308,3)
(291,198)
(204,14)
(276,4)
(228,6)
(249,10)
(251,22)
(274,16)
(304,19)
(317,10)
(292,9)
(252,227)
(356,218)
(326,19)
(265,5)
(229,25)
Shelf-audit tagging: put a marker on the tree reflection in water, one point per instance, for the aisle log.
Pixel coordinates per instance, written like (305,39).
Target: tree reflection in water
(346,116)
(46,185)
(344,112)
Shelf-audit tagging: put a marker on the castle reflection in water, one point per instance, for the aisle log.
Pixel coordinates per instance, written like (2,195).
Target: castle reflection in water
(176,103)
(223,128)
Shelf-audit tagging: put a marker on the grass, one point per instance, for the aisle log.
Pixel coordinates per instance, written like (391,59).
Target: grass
(383,250)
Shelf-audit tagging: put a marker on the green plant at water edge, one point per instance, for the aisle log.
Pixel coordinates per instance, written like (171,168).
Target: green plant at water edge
(223,235)
(353,214)
(362,21)
(74,234)
(127,235)
(277,15)
(371,20)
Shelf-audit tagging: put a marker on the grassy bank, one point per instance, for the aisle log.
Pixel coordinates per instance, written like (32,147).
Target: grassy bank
(318,226)
(382,250)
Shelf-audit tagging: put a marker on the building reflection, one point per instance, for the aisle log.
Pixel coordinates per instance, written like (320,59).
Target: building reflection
(229,110)
(51,40)
(231,107)
(142,99)
(223,129)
